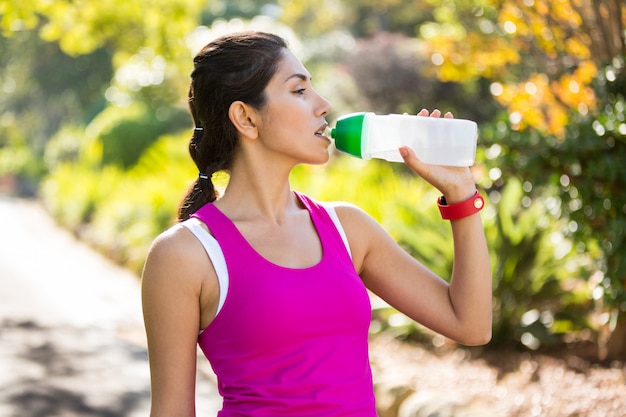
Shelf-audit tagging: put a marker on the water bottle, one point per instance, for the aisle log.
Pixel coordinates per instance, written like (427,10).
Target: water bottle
(435,140)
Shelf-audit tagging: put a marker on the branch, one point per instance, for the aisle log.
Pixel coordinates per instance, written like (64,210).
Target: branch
(617,12)
(608,43)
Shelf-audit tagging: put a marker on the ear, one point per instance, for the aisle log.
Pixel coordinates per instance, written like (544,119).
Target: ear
(243,118)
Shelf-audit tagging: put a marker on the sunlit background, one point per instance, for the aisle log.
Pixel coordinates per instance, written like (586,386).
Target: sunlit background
(94,125)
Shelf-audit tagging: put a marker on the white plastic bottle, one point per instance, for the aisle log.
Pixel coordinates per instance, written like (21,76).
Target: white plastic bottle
(435,140)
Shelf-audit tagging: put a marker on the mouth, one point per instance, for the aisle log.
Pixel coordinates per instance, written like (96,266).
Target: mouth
(321,132)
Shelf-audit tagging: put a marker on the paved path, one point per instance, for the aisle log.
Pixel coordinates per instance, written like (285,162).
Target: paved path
(71,331)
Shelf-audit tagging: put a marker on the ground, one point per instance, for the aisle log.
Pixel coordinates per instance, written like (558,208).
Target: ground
(457,382)
(71,332)
(72,344)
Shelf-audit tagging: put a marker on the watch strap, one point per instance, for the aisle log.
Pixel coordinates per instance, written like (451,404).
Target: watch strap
(466,208)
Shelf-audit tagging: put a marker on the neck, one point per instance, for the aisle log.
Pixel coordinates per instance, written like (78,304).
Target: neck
(258,189)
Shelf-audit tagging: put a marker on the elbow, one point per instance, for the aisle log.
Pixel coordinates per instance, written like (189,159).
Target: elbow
(477,339)
(474,338)
(477,335)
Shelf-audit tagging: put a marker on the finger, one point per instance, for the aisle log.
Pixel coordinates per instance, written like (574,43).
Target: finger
(423,112)
(449,115)
(410,159)
(436,113)
(407,153)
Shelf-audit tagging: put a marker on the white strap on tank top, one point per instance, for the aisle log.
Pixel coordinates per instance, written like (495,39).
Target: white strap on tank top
(214,251)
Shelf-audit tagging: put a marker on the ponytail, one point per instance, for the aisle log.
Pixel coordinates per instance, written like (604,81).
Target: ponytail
(197,196)
(202,191)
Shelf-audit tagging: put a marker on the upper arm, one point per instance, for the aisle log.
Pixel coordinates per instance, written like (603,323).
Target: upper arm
(172,285)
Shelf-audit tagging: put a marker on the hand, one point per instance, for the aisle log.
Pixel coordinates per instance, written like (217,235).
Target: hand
(455,183)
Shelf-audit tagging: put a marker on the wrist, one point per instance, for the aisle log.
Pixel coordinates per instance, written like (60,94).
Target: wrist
(461,209)
(459,193)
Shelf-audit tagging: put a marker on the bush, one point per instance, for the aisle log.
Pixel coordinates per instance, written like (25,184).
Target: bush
(120,212)
(538,292)
(144,203)
(126,132)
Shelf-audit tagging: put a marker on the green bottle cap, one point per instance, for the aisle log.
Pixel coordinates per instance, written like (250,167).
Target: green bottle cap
(347,133)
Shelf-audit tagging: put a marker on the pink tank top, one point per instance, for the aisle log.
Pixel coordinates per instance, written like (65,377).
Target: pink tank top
(290,342)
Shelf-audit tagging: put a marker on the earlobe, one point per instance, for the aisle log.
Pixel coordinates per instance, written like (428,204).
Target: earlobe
(242,117)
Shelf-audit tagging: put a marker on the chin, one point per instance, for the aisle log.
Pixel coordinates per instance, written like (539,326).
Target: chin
(323,159)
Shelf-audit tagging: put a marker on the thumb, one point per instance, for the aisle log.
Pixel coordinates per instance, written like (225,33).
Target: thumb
(409,156)
(411,160)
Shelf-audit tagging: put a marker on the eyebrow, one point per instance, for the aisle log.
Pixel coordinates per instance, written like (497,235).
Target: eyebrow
(303,77)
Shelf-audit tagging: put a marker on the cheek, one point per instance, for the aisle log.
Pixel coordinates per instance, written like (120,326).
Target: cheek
(284,120)
(283,115)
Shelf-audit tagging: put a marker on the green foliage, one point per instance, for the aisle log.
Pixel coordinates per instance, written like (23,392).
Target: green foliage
(42,89)
(363,18)
(592,190)
(586,169)
(66,146)
(120,212)
(45,88)
(241,9)
(144,203)
(538,285)
(81,27)
(72,193)
(76,183)
(410,90)
(16,157)
(120,67)
(125,132)
(535,267)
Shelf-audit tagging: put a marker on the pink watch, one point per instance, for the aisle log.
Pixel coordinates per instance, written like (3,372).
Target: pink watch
(466,208)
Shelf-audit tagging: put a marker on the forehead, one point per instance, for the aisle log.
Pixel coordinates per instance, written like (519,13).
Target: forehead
(289,65)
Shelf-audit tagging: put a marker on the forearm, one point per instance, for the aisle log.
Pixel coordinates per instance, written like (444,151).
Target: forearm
(470,288)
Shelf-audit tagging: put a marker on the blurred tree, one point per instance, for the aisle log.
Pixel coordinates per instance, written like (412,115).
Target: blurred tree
(543,61)
(68,60)
(240,9)
(364,18)
(389,64)
(123,26)
(563,44)
(42,88)
(557,67)
(389,71)
(126,132)
(539,287)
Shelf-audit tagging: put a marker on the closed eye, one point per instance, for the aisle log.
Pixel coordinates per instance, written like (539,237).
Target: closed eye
(300,91)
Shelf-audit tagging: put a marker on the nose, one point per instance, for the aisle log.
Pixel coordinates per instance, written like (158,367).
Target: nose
(324,106)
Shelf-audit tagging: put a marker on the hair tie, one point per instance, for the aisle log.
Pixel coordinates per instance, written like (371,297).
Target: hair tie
(198,132)
(203,180)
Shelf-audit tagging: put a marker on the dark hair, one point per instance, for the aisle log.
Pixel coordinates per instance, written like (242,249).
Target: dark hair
(233,67)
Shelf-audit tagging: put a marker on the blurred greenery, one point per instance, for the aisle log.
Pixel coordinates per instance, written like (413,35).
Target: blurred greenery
(93,119)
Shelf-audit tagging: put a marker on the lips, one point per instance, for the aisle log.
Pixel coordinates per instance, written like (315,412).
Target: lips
(322,129)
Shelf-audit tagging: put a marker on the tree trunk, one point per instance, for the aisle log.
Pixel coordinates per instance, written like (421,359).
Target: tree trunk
(616,344)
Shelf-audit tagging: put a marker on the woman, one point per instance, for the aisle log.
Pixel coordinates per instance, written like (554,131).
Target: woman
(275,282)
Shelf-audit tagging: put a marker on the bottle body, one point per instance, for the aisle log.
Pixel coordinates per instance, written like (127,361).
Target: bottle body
(434,140)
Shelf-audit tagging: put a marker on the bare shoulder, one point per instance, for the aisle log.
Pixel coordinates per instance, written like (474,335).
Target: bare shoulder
(364,233)
(352,216)
(176,239)
(176,254)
